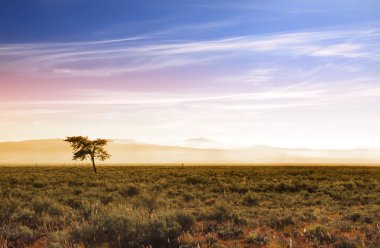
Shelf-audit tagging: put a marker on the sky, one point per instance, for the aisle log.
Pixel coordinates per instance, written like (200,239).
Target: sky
(243,73)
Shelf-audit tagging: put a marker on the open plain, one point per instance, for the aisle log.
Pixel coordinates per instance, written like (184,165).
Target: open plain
(190,206)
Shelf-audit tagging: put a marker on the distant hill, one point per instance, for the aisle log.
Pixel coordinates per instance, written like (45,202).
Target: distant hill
(55,151)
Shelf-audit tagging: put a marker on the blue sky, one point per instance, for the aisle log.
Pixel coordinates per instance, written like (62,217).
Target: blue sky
(82,20)
(281,73)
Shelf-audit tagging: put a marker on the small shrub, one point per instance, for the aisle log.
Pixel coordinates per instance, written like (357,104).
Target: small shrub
(345,226)
(196,180)
(45,205)
(349,185)
(7,208)
(74,203)
(355,217)
(186,221)
(21,235)
(130,191)
(54,245)
(230,232)
(250,200)
(256,239)
(59,239)
(106,199)
(239,189)
(149,203)
(281,187)
(280,222)
(77,192)
(368,219)
(187,197)
(308,215)
(219,214)
(318,235)
(39,185)
(121,228)
(222,214)
(25,216)
(344,242)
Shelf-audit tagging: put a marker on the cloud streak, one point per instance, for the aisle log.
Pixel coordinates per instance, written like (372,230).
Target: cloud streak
(119,56)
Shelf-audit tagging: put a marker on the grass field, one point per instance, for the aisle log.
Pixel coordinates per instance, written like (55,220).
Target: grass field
(190,207)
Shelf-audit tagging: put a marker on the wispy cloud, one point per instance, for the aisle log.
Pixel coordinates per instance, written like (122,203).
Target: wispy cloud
(115,98)
(118,56)
(268,98)
(258,75)
(344,50)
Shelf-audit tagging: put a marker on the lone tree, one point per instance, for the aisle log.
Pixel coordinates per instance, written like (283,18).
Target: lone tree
(85,148)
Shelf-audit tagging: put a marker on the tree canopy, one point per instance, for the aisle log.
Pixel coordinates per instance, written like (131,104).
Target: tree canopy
(84,148)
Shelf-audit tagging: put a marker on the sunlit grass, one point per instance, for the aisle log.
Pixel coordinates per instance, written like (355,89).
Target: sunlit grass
(185,206)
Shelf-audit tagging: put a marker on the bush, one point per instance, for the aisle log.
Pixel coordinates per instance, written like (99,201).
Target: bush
(280,222)
(149,203)
(219,214)
(239,189)
(106,199)
(186,221)
(161,233)
(7,208)
(222,214)
(230,232)
(187,197)
(130,191)
(25,216)
(318,235)
(39,185)
(45,205)
(122,228)
(196,180)
(59,239)
(20,234)
(256,239)
(355,217)
(344,242)
(74,203)
(250,200)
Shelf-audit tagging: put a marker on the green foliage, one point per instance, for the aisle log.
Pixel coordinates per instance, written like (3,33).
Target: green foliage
(130,191)
(185,220)
(281,222)
(85,148)
(256,239)
(43,205)
(119,227)
(230,232)
(21,234)
(220,214)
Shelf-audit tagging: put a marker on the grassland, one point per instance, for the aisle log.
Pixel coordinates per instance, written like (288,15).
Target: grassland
(190,206)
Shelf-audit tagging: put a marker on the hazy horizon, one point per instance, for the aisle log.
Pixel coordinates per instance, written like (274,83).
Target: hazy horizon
(193,151)
(196,142)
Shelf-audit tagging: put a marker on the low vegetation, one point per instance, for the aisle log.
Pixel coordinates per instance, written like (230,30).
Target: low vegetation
(190,207)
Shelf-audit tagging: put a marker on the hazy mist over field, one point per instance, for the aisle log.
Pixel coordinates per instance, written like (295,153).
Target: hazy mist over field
(56,151)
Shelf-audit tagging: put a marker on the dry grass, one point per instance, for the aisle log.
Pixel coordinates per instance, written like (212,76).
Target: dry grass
(190,206)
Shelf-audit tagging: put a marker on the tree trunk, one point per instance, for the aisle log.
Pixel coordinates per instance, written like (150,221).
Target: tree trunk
(93,164)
